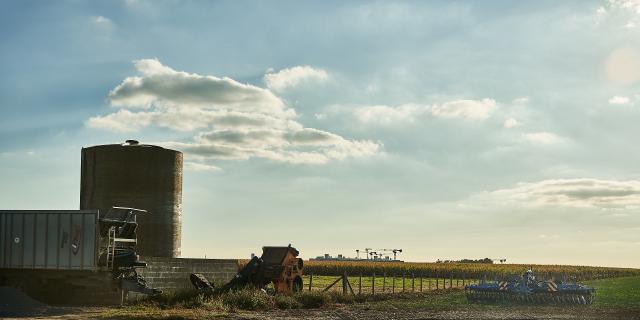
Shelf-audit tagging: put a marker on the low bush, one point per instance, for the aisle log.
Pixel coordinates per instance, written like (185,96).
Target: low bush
(184,298)
(287,302)
(248,299)
(338,297)
(313,299)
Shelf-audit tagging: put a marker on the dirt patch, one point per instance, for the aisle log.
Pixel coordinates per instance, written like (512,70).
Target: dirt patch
(352,313)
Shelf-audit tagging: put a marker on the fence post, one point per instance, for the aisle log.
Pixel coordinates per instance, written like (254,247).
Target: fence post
(437,282)
(413,281)
(429,283)
(463,278)
(403,276)
(373,284)
(310,281)
(393,284)
(457,280)
(384,282)
(360,284)
(421,281)
(451,280)
(344,283)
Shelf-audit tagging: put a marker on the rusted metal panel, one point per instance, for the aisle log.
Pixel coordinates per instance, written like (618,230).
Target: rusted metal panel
(49,239)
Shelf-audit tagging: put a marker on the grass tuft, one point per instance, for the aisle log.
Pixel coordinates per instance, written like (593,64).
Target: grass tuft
(248,299)
(313,299)
(287,302)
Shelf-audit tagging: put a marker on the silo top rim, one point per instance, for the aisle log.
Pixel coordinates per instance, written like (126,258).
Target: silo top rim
(130,144)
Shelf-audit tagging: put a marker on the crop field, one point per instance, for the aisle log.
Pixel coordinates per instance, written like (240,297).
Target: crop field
(461,270)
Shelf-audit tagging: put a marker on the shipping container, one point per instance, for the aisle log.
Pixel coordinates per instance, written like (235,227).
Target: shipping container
(49,239)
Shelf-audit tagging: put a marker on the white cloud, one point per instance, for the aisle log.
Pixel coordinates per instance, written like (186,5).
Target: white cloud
(620,11)
(229,120)
(573,193)
(291,77)
(631,5)
(310,146)
(200,167)
(543,137)
(619,100)
(102,21)
(163,87)
(511,123)
(521,100)
(474,110)
(465,109)
(121,121)
(389,115)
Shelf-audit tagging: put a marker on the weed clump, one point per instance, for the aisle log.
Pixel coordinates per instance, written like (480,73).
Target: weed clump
(287,302)
(338,297)
(184,298)
(248,299)
(313,299)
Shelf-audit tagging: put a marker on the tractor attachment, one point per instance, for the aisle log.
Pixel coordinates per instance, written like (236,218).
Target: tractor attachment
(277,265)
(118,254)
(527,289)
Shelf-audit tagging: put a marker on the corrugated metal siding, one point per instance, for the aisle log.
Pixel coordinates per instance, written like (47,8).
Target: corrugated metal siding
(48,239)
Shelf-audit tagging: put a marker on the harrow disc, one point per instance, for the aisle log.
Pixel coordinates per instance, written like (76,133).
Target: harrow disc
(533,298)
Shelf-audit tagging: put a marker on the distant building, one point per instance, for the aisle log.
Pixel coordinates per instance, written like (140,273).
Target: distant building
(340,257)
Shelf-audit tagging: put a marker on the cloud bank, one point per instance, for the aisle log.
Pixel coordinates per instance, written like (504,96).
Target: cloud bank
(574,193)
(229,120)
(472,110)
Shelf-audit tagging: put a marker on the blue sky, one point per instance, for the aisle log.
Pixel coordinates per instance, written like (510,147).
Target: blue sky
(452,130)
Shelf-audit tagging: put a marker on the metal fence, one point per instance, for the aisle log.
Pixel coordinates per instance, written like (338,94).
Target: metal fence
(407,282)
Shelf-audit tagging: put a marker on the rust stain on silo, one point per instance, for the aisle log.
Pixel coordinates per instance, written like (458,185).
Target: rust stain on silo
(140,176)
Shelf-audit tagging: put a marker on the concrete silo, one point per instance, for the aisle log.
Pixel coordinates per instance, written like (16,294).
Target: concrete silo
(141,176)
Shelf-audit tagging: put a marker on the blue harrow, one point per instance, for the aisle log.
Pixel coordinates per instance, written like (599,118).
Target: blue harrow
(527,289)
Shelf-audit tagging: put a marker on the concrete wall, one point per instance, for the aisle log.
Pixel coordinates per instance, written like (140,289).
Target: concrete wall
(172,274)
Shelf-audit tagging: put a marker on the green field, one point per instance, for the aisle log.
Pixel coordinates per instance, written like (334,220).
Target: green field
(618,292)
(611,294)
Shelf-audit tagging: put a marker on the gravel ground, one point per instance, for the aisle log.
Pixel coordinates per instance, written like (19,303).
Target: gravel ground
(16,305)
(357,313)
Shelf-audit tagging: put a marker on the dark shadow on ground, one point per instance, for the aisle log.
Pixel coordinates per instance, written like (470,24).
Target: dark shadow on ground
(15,303)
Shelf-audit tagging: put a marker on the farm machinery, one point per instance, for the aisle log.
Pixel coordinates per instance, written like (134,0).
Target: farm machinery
(118,249)
(277,265)
(529,290)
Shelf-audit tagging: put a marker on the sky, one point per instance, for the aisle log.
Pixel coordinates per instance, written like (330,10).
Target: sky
(450,129)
